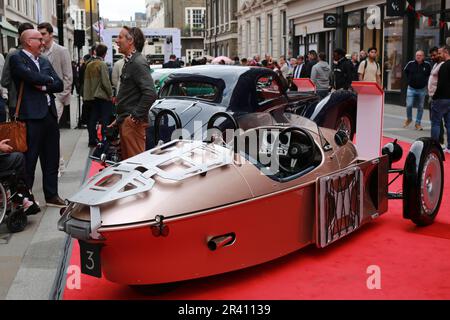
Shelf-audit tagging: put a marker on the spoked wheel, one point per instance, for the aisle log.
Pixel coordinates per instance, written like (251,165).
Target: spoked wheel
(17,221)
(3,203)
(424,184)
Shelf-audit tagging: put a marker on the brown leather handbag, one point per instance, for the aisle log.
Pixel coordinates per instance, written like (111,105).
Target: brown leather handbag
(15,131)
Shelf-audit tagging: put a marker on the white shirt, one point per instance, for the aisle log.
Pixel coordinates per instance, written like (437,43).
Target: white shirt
(36,62)
(298,71)
(433,80)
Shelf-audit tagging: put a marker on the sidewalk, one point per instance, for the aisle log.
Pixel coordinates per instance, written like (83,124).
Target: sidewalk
(29,260)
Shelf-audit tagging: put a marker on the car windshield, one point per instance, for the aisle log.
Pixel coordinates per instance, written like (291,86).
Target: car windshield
(191,89)
(283,119)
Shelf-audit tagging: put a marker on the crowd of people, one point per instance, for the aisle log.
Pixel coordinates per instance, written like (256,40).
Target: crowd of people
(40,76)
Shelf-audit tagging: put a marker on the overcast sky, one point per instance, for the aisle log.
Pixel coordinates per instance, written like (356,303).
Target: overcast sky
(120,9)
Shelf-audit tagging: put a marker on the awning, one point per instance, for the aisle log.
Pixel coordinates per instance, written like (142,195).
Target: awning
(8,29)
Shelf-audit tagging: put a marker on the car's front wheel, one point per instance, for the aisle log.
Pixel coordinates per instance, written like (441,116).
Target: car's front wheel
(423,183)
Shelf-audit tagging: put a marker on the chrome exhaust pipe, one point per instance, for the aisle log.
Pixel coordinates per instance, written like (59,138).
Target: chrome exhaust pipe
(221,241)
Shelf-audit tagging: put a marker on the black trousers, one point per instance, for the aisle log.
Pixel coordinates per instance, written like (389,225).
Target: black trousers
(14,162)
(43,144)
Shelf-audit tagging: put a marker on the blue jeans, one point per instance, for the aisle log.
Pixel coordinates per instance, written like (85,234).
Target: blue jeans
(440,109)
(415,98)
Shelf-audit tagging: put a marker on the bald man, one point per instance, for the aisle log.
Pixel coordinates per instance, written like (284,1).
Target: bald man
(417,73)
(39,82)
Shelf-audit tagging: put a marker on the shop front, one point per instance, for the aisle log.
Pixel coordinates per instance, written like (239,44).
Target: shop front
(365,24)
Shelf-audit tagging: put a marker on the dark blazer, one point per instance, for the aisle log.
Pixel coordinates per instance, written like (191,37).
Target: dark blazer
(303,72)
(34,101)
(172,65)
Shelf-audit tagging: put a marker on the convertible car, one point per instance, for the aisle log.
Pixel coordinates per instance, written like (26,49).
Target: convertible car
(193,208)
(195,94)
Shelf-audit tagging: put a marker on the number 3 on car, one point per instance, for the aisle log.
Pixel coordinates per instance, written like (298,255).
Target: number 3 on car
(90,259)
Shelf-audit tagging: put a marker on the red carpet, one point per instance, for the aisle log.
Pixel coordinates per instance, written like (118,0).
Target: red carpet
(414,264)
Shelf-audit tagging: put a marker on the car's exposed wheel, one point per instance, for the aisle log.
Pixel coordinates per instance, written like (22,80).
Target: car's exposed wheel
(3,203)
(423,183)
(17,221)
(346,122)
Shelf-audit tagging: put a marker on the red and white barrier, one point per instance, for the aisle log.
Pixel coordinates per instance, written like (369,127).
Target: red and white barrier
(369,119)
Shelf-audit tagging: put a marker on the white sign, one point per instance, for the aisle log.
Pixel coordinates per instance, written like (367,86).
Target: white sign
(374,20)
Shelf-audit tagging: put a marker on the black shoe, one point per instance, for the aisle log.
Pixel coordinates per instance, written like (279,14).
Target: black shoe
(33,209)
(56,201)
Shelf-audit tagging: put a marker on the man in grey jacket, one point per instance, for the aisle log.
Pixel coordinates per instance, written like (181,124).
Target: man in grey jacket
(320,75)
(59,57)
(136,93)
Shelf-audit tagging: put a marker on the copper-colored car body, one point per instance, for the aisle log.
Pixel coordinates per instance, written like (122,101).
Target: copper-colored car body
(199,216)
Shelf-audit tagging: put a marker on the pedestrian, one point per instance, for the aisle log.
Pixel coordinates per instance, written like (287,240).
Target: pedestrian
(417,73)
(284,68)
(38,110)
(299,70)
(362,56)
(441,99)
(342,70)
(369,70)
(86,107)
(116,74)
(312,60)
(244,62)
(237,61)
(98,92)
(355,63)
(75,81)
(320,75)
(7,81)
(136,94)
(173,63)
(437,60)
(59,58)
(15,161)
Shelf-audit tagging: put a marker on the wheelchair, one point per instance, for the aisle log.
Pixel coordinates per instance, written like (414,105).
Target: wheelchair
(11,209)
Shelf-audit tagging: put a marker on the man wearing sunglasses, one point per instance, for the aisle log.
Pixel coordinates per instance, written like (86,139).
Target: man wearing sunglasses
(39,82)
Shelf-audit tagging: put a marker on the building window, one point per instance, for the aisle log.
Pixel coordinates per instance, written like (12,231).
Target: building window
(393,53)
(195,21)
(258,34)
(313,40)
(192,54)
(354,32)
(427,27)
(283,33)
(270,34)
(249,36)
(301,46)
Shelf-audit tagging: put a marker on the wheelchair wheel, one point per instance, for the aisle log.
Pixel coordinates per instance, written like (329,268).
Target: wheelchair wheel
(3,203)
(17,221)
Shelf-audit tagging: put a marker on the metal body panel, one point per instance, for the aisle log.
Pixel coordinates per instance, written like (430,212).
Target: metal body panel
(265,228)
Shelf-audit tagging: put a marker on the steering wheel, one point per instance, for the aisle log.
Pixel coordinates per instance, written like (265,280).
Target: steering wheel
(216,117)
(298,151)
(159,116)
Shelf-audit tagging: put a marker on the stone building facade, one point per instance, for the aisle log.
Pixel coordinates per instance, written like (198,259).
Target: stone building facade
(221,37)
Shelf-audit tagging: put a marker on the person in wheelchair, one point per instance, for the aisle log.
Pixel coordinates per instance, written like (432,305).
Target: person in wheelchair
(15,162)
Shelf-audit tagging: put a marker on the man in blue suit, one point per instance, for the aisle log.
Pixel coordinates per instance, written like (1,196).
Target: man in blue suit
(38,111)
